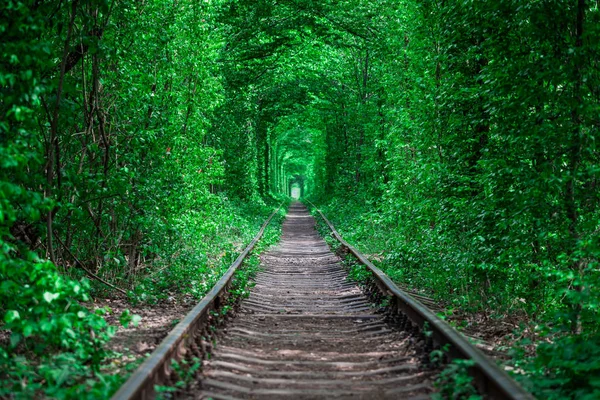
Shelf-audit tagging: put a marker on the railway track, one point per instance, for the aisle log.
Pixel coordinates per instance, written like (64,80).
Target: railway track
(306,332)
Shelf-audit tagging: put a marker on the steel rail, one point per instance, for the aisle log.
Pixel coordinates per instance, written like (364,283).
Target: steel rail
(156,368)
(490,379)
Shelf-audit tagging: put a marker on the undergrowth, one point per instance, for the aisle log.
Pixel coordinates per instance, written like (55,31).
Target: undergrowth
(186,370)
(217,241)
(552,363)
(53,341)
(454,382)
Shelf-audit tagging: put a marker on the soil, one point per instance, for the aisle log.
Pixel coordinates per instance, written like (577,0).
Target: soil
(495,336)
(135,343)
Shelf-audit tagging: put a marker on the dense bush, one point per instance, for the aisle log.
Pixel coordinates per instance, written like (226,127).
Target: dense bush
(107,174)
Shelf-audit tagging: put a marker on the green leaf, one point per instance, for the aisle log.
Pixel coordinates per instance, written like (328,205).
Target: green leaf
(45,326)
(50,296)
(135,319)
(11,315)
(28,330)
(125,318)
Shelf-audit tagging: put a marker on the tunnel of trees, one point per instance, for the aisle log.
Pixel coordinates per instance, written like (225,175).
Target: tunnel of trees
(142,140)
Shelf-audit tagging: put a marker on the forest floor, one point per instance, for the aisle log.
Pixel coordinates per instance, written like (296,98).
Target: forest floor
(136,342)
(494,336)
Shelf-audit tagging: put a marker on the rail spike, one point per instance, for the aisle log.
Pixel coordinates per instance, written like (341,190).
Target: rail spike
(490,380)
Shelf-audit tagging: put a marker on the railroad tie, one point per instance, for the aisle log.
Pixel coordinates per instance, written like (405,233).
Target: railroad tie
(306,332)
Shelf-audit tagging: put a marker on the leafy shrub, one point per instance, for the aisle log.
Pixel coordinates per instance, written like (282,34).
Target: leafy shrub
(43,311)
(455,383)
(55,342)
(568,367)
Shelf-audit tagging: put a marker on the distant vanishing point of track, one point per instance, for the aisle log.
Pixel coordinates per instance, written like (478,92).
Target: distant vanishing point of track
(305,332)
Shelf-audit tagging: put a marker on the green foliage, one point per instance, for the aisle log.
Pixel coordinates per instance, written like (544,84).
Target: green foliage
(454,382)
(241,283)
(55,342)
(107,172)
(45,312)
(217,241)
(127,318)
(438,356)
(143,143)
(479,184)
(567,367)
(185,371)
(357,272)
